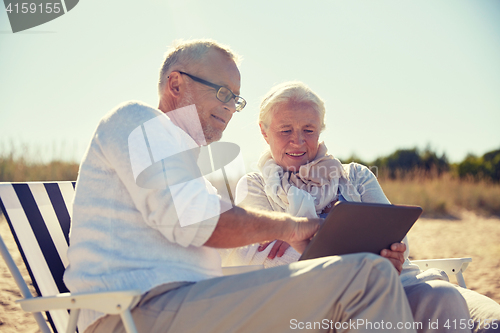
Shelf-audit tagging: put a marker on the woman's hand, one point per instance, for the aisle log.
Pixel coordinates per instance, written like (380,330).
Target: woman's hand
(395,255)
(278,248)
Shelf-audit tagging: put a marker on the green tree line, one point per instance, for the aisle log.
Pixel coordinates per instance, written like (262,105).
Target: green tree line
(404,161)
(399,163)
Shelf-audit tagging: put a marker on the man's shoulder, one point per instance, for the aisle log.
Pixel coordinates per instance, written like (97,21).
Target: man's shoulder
(132,118)
(132,109)
(128,116)
(135,105)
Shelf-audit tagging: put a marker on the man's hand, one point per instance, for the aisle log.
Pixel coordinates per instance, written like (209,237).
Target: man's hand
(277,250)
(301,232)
(395,255)
(239,227)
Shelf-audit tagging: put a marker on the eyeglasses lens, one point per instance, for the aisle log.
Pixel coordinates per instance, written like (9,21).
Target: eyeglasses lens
(225,95)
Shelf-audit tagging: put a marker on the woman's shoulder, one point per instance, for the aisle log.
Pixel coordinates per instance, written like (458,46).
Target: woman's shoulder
(256,176)
(360,174)
(354,169)
(253,178)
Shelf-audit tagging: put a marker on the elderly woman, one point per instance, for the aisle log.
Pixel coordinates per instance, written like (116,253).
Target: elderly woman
(299,177)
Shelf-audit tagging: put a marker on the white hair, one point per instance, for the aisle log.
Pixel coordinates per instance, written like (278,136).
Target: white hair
(182,53)
(294,93)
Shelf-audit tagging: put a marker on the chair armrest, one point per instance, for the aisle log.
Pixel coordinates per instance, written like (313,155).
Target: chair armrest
(113,302)
(232,270)
(450,266)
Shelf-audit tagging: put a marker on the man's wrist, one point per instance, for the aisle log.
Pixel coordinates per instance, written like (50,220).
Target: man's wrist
(287,229)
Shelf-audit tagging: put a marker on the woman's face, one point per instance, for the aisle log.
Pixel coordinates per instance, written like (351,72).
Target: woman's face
(293,135)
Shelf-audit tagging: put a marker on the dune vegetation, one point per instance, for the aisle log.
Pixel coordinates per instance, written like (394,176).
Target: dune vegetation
(408,176)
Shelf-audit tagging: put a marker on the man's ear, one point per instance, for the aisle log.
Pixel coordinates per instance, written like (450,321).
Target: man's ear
(175,85)
(264,134)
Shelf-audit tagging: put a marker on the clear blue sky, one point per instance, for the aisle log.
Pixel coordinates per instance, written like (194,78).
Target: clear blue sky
(394,74)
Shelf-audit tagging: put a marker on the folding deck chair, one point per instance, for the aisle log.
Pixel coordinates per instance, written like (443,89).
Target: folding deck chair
(38,214)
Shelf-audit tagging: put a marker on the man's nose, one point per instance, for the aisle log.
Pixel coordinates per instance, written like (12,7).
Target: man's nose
(231,105)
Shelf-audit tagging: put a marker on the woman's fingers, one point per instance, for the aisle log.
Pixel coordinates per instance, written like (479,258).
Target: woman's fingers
(263,246)
(282,249)
(397,264)
(278,248)
(398,247)
(275,249)
(395,255)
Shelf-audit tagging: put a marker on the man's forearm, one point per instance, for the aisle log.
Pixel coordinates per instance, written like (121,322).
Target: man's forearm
(239,227)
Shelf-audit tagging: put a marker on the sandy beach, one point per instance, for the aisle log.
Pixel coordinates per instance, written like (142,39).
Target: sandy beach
(470,236)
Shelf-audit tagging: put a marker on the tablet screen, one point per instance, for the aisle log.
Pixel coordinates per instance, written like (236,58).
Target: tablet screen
(353,227)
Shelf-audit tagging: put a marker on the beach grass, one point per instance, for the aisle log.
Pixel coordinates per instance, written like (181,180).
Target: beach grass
(443,195)
(19,169)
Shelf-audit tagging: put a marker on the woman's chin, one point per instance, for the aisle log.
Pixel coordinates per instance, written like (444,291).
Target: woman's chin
(293,164)
(292,168)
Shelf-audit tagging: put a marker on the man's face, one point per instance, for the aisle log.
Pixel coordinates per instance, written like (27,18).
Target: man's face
(214,114)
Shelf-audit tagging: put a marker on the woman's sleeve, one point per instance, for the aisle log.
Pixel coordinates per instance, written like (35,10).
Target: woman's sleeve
(367,184)
(250,194)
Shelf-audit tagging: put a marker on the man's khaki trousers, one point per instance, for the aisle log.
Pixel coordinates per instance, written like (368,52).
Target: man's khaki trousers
(352,293)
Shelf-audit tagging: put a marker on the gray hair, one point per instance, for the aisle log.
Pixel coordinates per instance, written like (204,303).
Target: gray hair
(182,53)
(294,92)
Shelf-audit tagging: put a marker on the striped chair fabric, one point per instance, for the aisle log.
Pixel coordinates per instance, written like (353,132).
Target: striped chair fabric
(38,215)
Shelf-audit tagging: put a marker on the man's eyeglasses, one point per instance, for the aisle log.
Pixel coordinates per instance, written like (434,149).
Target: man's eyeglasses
(223,94)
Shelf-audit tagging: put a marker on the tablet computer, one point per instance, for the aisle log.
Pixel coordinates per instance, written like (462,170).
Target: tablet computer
(353,227)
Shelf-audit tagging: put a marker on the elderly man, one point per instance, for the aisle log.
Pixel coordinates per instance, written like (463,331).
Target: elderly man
(128,235)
